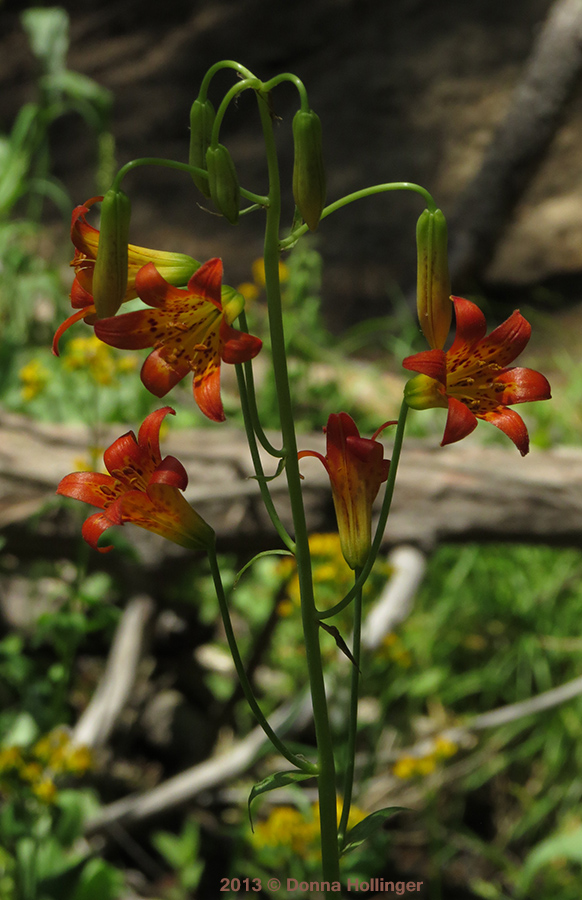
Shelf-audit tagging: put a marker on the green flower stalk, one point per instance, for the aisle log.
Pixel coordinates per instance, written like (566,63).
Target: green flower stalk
(202,117)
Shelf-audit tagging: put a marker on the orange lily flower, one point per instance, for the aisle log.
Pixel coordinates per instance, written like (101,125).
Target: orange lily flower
(472,379)
(189,330)
(176,267)
(356,469)
(142,488)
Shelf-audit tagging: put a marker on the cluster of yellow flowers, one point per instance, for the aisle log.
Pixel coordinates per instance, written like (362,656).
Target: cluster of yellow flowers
(36,768)
(91,355)
(251,289)
(33,377)
(411,766)
(329,567)
(288,829)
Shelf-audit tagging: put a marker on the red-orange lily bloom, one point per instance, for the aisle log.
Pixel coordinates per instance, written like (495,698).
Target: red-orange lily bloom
(189,330)
(141,488)
(176,267)
(472,379)
(356,469)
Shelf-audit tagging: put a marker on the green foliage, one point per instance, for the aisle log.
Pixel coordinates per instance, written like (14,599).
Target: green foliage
(182,853)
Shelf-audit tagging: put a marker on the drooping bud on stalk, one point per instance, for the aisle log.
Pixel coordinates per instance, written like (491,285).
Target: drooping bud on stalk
(308,167)
(424,392)
(223,182)
(111,265)
(434,303)
(201,122)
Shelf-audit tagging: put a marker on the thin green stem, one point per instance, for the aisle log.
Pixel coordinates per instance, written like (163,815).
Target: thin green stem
(238,88)
(288,76)
(251,399)
(382,519)
(326,780)
(217,67)
(257,462)
(300,763)
(353,718)
(360,195)
(258,199)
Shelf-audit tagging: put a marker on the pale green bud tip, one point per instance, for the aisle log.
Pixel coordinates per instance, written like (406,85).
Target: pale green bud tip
(234,306)
(423,392)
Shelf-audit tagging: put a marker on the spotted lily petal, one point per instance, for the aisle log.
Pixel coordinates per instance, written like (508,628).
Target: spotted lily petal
(142,488)
(189,331)
(473,378)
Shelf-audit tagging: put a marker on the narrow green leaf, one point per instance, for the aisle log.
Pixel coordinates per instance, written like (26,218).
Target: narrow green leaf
(341,644)
(258,556)
(372,823)
(277,780)
(266,478)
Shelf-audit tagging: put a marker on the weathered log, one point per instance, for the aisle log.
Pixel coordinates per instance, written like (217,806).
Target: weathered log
(458,493)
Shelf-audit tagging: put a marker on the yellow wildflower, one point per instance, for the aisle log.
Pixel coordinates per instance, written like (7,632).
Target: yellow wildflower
(444,747)
(285,826)
(426,764)
(34,378)
(45,790)
(249,290)
(10,759)
(258,269)
(405,767)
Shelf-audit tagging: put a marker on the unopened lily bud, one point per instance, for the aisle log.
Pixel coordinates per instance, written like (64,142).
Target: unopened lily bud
(424,392)
(223,182)
(233,303)
(308,167)
(111,265)
(434,303)
(201,122)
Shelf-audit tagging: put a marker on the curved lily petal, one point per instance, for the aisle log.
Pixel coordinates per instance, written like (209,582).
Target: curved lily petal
(356,469)
(142,489)
(474,378)
(460,422)
(512,425)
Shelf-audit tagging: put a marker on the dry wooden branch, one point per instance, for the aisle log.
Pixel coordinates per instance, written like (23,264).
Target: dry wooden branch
(98,720)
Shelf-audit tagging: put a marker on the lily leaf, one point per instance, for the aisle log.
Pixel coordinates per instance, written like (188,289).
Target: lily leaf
(266,478)
(254,559)
(277,780)
(341,644)
(372,823)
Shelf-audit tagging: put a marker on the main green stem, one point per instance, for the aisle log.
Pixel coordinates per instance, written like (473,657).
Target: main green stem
(353,717)
(326,779)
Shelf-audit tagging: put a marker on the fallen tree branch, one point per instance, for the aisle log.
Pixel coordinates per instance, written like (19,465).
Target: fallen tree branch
(98,720)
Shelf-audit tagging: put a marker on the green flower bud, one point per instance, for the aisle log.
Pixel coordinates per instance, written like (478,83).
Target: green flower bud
(111,265)
(424,392)
(434,303)
(223,182)
(308,167)
(201,122)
